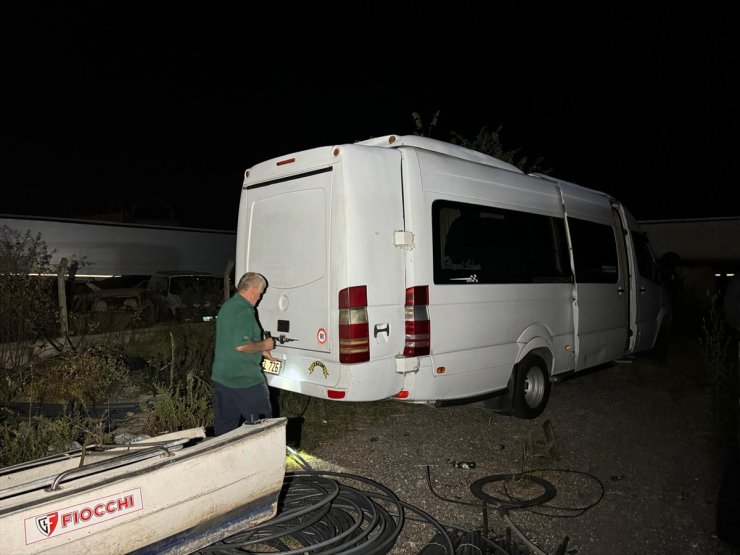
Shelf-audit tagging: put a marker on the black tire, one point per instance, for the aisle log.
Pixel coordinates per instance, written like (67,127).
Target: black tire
(531,388)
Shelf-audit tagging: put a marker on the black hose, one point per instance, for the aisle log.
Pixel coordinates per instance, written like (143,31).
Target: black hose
(318,513)
(326,512)
(548,491)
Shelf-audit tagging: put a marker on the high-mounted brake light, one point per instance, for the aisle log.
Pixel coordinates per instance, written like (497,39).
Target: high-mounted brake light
(418,333)
(286,161)
(354,332)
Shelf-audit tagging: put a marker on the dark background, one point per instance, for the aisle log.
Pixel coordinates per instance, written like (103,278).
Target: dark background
(142,107)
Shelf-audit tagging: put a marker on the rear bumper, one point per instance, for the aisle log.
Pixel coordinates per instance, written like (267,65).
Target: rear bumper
(367,381)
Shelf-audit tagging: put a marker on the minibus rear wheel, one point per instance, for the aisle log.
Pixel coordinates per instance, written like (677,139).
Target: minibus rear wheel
(531,388)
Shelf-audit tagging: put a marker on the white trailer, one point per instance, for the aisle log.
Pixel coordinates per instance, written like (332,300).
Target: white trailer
(407,268)
(112,249)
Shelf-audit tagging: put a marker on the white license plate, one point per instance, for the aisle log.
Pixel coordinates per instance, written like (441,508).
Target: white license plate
(272,366)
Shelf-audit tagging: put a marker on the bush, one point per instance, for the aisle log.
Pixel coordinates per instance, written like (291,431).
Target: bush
(720,374)
(39,436)
(179,406)
(172,353)
(85,377)
(178,359)
(29,307)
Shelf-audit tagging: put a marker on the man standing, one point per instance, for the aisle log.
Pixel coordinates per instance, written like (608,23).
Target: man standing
(241,392)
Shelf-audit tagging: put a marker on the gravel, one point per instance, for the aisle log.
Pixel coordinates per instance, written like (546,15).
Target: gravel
(631,451)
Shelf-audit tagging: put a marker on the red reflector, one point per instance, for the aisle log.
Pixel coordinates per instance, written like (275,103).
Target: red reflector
(334,394)
(286,161)
(352,297)
(351,358)
(354,333)
(417,326)
(416,350)
(417,295)
(403,394)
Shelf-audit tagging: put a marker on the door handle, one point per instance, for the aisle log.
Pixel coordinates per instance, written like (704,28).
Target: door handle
(381,328)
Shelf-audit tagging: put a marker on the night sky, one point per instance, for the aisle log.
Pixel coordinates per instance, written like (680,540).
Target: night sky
(112,105)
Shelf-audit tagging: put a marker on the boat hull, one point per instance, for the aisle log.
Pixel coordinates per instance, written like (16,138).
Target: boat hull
(173,502)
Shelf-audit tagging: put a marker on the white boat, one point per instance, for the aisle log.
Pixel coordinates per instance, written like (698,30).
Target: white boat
(169,494)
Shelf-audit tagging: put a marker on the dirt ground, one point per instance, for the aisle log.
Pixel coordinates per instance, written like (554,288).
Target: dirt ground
(630,449)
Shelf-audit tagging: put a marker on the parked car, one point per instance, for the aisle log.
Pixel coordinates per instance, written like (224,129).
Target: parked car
(80,287)
(187,296)
(116,309)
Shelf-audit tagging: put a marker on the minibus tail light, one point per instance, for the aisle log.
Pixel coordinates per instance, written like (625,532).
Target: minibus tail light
(417,322)
(354,332)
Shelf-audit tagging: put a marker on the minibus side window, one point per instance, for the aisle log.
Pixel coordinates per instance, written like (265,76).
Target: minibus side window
(645,261)
(594,251)
(483,244)
(549,249)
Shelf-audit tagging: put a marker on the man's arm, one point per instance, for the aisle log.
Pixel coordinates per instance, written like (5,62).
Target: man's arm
(265,345)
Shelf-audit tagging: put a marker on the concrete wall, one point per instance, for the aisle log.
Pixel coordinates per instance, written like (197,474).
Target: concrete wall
(714,241)
(708,250)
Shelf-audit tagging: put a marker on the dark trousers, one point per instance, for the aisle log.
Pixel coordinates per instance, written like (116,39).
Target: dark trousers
(234,406)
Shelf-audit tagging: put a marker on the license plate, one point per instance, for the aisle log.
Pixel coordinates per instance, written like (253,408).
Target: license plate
(272,366)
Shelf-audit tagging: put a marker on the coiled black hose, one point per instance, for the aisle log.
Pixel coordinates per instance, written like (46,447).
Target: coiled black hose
(319,512)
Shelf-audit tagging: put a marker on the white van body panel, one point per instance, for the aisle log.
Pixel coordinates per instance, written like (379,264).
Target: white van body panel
(384,214)
(602,318)
(651,307)
(287,212)
(478,329)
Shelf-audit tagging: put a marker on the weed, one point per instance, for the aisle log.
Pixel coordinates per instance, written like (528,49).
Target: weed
(179,406)
(39,436)
(715,342)
(180,377)
(174,352)
(85,377)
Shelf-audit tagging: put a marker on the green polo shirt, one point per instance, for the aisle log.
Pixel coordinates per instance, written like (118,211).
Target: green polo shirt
(237,324)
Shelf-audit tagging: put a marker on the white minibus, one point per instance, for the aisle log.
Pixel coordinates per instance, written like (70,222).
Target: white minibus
(407,268)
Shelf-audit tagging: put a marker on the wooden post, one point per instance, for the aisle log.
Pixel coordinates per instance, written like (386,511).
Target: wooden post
(62,293)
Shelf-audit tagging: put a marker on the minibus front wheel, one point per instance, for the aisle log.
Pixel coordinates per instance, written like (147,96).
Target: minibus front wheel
(531,387)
